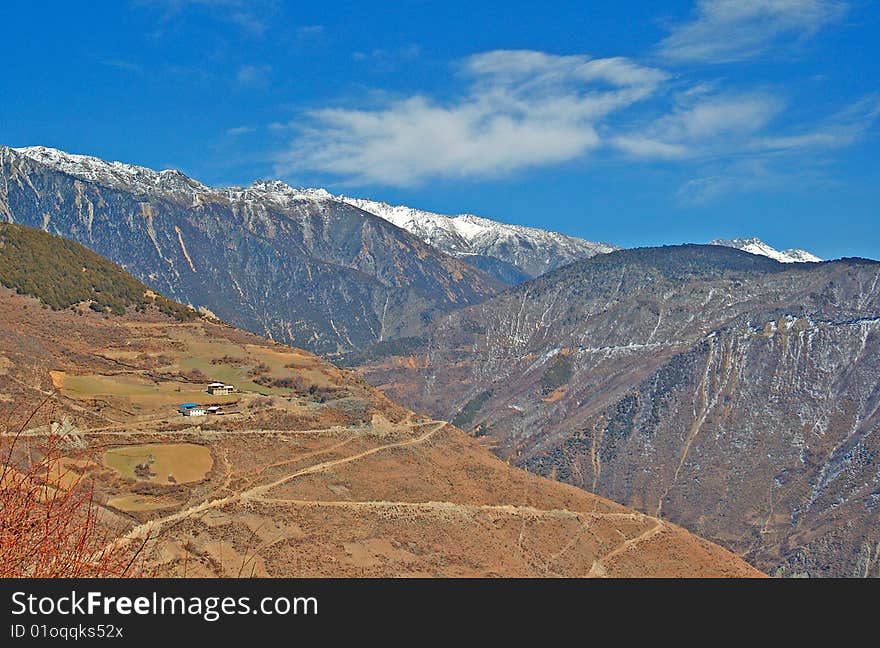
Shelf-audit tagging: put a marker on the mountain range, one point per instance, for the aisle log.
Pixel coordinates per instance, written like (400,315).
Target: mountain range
(331,274)
(304,471)
(293,265)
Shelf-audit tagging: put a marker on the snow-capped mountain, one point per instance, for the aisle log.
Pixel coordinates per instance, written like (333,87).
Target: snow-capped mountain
(138,179)
(117,175)
(511,253)
(531,251)
(757,246)
(292,264)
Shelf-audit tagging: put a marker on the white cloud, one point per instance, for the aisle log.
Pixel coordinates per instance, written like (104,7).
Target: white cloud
(520,109)
(707,125)
(647,147)
(720,116)
(239,130)
(706,189)
(389,56)
(724,31)
(728,125)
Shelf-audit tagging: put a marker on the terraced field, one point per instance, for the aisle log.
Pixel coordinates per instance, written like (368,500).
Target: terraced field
(176,463)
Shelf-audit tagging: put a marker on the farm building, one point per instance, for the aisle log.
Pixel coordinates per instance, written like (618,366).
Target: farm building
(191,409)
(220,389)
(215,409)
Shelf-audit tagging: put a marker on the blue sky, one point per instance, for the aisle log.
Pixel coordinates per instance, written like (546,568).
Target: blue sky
(635,123)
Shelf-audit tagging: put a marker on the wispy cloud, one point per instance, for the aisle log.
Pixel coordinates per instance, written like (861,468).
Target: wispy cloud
(778,161)
(405,53)
(725,178)
(841,129)
(309,31)
(739,143)
(718,124)
(736,176)
(519,109)
(724,31)
(126,66)
(251,16)
(239,130)
(738,125)
(253,75)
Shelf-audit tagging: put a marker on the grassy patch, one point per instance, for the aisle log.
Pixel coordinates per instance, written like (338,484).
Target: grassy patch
(140,392)
(557,374)
(467,414)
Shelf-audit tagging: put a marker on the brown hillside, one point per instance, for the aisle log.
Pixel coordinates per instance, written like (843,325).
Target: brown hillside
(311,472)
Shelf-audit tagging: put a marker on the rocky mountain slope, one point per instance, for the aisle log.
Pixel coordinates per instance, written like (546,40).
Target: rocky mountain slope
(757,246)
(512,253)
(730,393)
(295,265)
(309,471)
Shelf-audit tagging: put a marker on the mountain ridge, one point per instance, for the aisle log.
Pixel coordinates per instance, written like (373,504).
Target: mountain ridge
(462,235)
(532,250)
(511,252)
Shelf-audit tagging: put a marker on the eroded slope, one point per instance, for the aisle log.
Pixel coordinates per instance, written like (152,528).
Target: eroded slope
(724,391)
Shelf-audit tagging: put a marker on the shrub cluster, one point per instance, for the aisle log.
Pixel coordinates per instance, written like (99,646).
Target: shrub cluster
(62,274)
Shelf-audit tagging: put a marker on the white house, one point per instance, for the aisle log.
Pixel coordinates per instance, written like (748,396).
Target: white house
(220,389)
(191,409)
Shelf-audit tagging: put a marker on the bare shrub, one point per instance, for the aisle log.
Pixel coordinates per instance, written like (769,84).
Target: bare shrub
(49,519)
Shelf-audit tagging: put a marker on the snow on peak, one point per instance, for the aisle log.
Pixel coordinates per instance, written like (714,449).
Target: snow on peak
(534,251)
(275,191)
(278,187)
(113,174)
(798,255)
(530,250)
(434,229)
(471,227)
(137,179)
(757,246)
